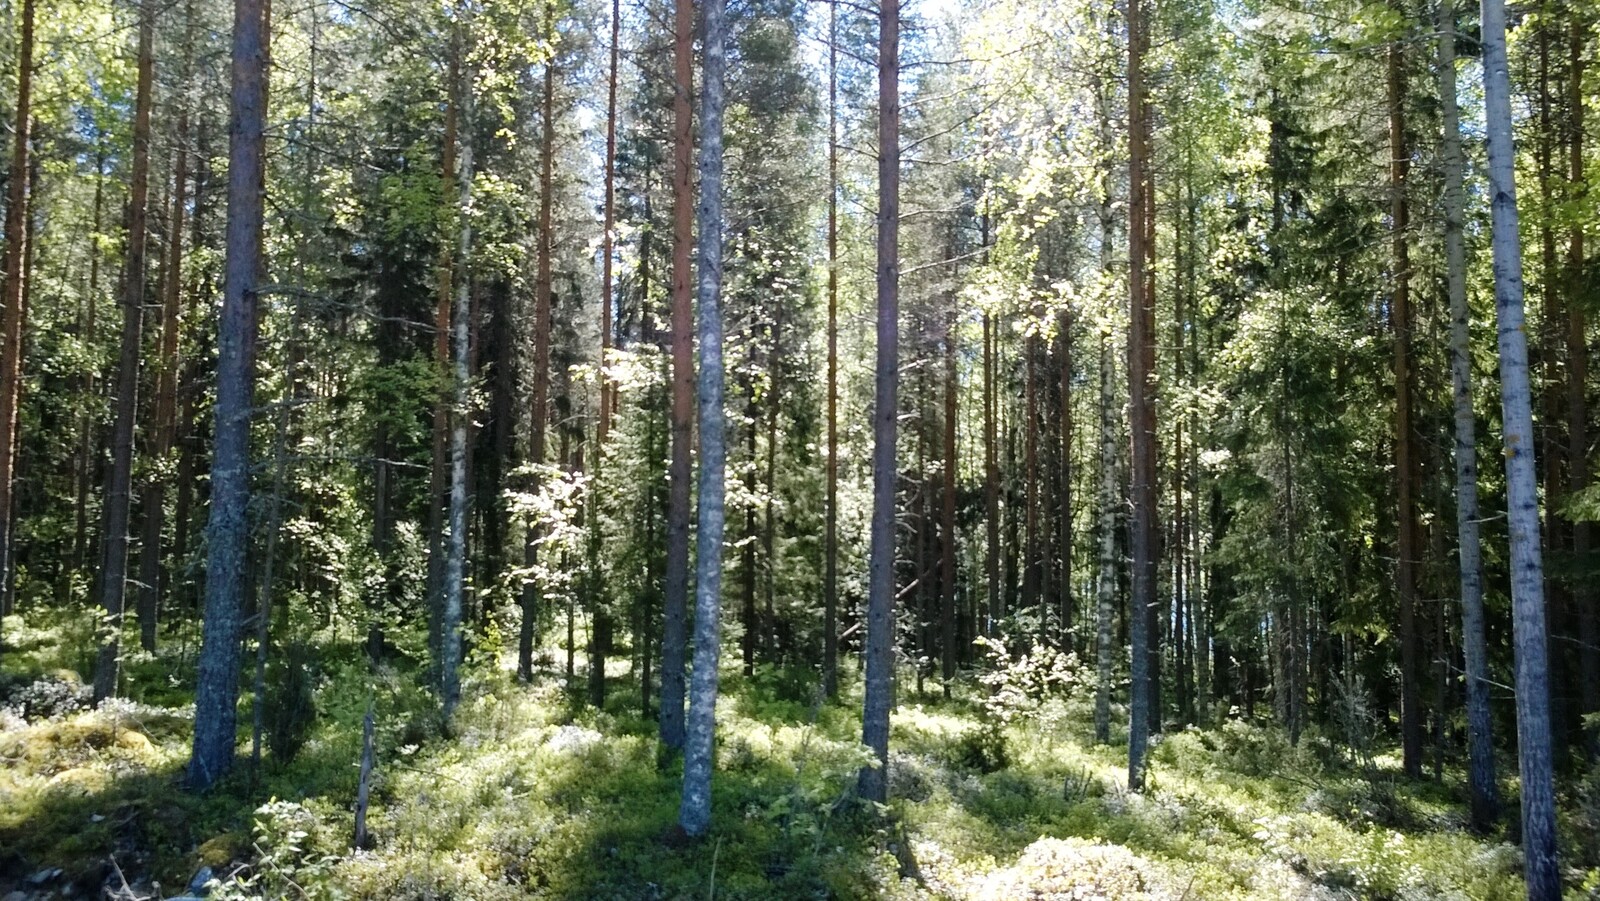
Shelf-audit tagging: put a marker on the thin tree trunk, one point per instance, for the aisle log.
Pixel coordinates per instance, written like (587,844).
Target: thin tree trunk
(1586,596)
(873,784)
(675,604)
(15,291)
(439,472)
(1480,746)
(996,609)
(119,483)
(456,538)
(1141,375)
(166,424)
(217,690)
(1106,579)
(1067,610)
(539,416)
(1522,499)
(694,815)
(947,527)
(830,540)
(87,446)
(1404,454)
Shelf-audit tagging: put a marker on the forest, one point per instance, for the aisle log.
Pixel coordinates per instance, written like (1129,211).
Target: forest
(951,449)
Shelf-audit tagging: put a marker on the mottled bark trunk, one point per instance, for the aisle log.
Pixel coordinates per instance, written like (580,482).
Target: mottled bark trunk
(694,815)
(1404,453)
(14,294)
(830,537)
(675,605)
(455,539)
(1141,375)
(873,784)
(1480,747)
(217,691)
(119,481)
(1522,498)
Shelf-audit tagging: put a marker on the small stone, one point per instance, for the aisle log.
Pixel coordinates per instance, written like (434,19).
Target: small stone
(197,885)
(14,896)
(48,874)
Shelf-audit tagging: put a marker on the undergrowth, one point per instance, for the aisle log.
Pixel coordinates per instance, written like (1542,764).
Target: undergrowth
(999,793)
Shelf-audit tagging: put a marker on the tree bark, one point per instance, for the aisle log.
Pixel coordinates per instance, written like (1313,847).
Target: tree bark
(1404,453)
(119,482)
(1480,746)
(1522,498)
(439,472)
(675,602)
(947,512)
(873,784)
(455,542)
(217,690)
(14,294)
(830,538)
(1586,596)
(694,815)
(1106,578)
(1141,375)
(539,415)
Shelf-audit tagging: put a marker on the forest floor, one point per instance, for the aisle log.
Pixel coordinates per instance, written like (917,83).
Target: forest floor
(533,796)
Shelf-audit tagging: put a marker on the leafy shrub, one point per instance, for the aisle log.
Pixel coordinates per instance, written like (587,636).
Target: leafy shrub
(50,697)
(290,709)
(984,749)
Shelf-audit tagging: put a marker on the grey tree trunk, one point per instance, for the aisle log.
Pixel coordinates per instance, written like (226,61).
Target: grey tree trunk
(119,481)
(228,535)
(675,600)
(1406,545)
(694,815)
(830,539)
(15,291)
(1141,375)
(1480,747)
(1522,497)
(542,288)
(1106,579)
(455,557)
(873,784)
(1586,595)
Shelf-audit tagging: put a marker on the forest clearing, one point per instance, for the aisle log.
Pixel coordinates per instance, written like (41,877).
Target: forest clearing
(971,449)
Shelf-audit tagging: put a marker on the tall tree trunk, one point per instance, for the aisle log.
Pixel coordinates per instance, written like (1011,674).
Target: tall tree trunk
(694,815)
(1106,578)
(996,609)
(1586,596)
(747,564)
(15,291)
(217,689)
(675,603)
(873,784)
(593,568)
(1480,746)
(455,558)
(1522,498)
(1064,494)
(87,446)
(608,238)
(1031,566)
(1141,410)
(948,506)
(1404,453)
(542,288)
(830,539)
(119,483)
(166,425)
(439,472)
